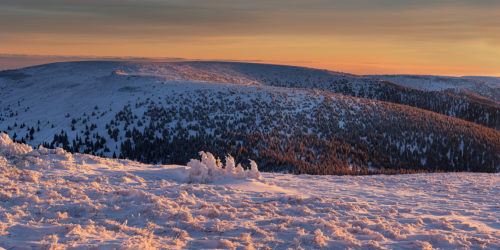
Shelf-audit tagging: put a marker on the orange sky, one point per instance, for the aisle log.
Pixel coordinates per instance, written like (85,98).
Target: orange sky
(358,36)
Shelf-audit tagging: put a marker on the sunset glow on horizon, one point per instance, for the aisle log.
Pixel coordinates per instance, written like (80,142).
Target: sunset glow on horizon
(361,37)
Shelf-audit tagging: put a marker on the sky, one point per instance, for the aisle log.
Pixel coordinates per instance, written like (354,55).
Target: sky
(447,37)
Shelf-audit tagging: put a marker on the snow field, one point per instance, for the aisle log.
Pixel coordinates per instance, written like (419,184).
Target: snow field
(54,199)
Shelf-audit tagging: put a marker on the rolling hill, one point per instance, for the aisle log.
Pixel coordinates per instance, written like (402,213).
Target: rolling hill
(289,119)
(487,87)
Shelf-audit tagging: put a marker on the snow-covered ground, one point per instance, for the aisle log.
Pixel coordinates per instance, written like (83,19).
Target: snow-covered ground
(54,199)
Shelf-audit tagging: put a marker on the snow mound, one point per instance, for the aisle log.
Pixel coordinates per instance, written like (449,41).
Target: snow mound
(210,170)
(9,148)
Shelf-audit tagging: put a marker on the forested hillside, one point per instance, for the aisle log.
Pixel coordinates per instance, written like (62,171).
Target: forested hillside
(167,113)
(463,105)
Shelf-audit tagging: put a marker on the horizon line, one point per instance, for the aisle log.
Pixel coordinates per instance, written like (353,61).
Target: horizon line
(182,59)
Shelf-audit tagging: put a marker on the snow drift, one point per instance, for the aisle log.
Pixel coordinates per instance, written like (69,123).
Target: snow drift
(210,170)
(8,147)
(52,199)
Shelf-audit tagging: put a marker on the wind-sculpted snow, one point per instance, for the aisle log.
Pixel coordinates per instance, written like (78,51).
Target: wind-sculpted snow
(8,147)
(52,199)
(210,170)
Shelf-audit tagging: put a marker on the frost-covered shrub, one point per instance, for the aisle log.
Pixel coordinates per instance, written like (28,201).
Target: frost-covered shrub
(209,170)
(10,148)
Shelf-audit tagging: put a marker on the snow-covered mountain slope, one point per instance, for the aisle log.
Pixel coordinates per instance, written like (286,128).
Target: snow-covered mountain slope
(482,110)
(55,199)
(487,87)
(137,111)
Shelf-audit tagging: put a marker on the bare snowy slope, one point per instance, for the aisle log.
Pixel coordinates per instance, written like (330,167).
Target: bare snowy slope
(156,112)
(54,199)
